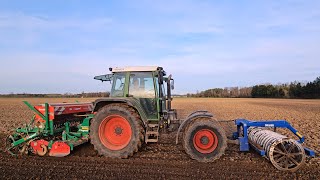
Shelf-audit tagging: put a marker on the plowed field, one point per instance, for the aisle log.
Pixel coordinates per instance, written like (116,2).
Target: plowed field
(166,160)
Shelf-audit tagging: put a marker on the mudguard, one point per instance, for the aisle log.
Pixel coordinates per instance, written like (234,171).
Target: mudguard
(190,118)
(99,103)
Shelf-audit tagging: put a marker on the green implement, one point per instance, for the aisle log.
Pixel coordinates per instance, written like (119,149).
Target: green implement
(57,128)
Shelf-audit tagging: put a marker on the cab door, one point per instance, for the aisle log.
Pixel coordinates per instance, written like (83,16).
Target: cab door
(142,87)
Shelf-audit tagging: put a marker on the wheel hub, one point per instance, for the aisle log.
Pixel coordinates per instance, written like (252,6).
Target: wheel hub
(204,140)
(118,131)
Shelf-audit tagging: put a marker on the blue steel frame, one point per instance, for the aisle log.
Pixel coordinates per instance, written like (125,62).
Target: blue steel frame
(244,125)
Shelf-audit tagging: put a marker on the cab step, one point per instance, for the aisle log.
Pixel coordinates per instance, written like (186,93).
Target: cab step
(152,133)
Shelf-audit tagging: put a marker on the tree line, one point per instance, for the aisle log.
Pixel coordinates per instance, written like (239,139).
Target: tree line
(227,92)
(288,90)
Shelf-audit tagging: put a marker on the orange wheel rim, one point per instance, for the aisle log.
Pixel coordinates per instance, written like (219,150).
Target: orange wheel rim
(115,132)
(205,141)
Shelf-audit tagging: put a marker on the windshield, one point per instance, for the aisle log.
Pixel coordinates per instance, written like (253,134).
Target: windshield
(141,85)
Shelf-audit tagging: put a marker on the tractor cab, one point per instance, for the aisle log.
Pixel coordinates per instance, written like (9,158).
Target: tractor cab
(144,86)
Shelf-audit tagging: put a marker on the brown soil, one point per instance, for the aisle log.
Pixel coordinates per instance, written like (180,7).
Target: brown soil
(166,160)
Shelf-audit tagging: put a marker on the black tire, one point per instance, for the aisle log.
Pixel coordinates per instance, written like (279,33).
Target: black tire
(206,125)
(131,116)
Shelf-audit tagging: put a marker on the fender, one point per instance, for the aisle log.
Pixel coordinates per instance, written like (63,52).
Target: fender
(134,103)
(198,112)
(190,118)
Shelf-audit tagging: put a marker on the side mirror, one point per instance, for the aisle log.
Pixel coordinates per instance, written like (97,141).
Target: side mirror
(172,84)
(106,77)
(160,78)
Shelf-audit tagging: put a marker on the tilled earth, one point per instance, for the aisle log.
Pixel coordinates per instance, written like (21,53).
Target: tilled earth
(166,160)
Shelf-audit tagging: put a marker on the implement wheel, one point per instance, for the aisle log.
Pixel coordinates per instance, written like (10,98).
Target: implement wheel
(8,145)
(116,131)
(204,140)
(287,155)
(43,151)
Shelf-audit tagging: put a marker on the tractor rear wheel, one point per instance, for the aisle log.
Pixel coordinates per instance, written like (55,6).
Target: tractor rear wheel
(204,140)
(116,131)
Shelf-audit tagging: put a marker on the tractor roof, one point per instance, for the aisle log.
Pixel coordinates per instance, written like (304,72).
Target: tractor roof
(135,68)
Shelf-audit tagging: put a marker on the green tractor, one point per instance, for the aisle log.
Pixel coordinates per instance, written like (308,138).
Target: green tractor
(139,110)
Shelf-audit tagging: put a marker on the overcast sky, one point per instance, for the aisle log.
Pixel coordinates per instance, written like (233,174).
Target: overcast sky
(58,46)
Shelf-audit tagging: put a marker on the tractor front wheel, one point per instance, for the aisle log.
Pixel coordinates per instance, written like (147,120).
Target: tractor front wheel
(116,131)
(204,140)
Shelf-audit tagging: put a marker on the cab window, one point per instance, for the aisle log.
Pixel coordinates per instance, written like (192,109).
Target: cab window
(141,85)
(118,85)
